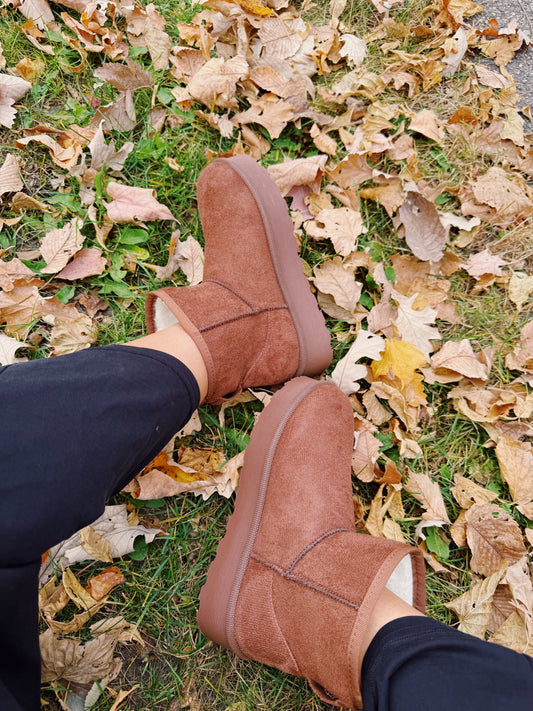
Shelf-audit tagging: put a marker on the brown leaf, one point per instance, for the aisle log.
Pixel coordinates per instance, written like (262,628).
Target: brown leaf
(366,450)
(59,245)
(72,336)
(484,263)
(99,586)
(88,262)
(186,255)
(335,279)
(8,348)
(514,635)
(215,83)
(455,360)
(428,493)
(37,10)
(67,659)
(414,325)
(473,608)
(427,123)
(95,544)
(11,89)
(424,233)
(300,171)
(493,537)
(516,467)
(504,193)
(125,78)
(10,180)
(466,492)
(520,289)
(341,225)
(521,357)
(130,203)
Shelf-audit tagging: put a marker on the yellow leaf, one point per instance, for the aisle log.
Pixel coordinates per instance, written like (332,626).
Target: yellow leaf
(254,6)
(400,357)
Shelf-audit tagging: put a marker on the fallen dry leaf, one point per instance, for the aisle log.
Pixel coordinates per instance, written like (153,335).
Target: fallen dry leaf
(424,232)
(341,225)
(130,204)
(59,245)
(87,262)
(473,608)
(348,372)
(516,467)
(125,77)
(72,336)
(429,495)
(8,348)
(95,544)
(366,450)
(82,663)
(215,83)
(466,492)
(11,89)
(10,180)
(336,279)
(493,536)
(520,288)
(414,325)
(457,360)
(428,124)
(99,586)
(521,357)
(113,526)
(186,255)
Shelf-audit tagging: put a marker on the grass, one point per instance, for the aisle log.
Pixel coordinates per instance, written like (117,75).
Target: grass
(178,667)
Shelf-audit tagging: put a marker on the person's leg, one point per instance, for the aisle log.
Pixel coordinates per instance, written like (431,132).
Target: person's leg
(416,664)
(75,429)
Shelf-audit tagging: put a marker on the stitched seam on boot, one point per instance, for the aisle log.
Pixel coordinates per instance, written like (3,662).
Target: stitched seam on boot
(324,591)
(313,544)
(241,316)
(289,650)
(260,354)
(225,286)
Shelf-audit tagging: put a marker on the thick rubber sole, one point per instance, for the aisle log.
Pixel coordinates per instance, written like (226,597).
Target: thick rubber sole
(219,595)
(313,336)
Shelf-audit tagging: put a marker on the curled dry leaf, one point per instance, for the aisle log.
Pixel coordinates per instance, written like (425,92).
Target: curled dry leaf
(82,663)
(348,372)
(99,586)
(473,608)
(8,348)
(366,450)
(337,280)
(10,180)
(130,204)
(424,232)
(427,123)
(516,467)
(521,357)
(186,255)
(467,492)
(95,544)
(113,526)
(457,360)
(297,172)
(11,89)
(494,538)
(428,493)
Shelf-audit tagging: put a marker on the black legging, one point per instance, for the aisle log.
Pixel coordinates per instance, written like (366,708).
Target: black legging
(75,429)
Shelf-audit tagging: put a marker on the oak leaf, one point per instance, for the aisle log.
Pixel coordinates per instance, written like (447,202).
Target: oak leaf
(348,371)
(493,537)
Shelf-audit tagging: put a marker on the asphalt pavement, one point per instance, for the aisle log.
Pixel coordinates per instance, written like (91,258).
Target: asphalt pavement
(521,67)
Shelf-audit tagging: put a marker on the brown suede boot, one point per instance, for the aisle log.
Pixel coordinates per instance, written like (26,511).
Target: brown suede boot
(293,585)
(253,317)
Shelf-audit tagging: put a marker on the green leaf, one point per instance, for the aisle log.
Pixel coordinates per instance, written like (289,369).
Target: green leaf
(390,274)
(133,235)
(118,288)
(165,95)
(140,549)
(66,293)
(366,300)
(436,544)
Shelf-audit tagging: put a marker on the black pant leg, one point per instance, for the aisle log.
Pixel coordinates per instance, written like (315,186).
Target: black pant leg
(73,430)
(419,664)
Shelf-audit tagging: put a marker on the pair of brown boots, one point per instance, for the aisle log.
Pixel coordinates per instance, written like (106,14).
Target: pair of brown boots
(292,585)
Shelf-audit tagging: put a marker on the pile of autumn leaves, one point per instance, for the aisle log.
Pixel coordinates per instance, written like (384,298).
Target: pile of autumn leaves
(269,59)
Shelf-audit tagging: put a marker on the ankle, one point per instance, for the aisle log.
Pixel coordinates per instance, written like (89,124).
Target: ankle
(175,341)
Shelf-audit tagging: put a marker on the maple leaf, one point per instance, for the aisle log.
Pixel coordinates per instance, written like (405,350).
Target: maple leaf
(103,155)
(493,537)
(68,659)
(402,358)
(473,608)
(348,372)
(297,172)
(354,49)
(341,225)
(215,83)
(414,325)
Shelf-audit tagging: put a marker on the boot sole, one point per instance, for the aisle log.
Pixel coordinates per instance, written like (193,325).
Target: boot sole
(219,595)
(313,336)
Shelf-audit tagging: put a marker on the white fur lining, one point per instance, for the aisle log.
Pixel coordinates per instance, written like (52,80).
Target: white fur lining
(401,580)
(163,316)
